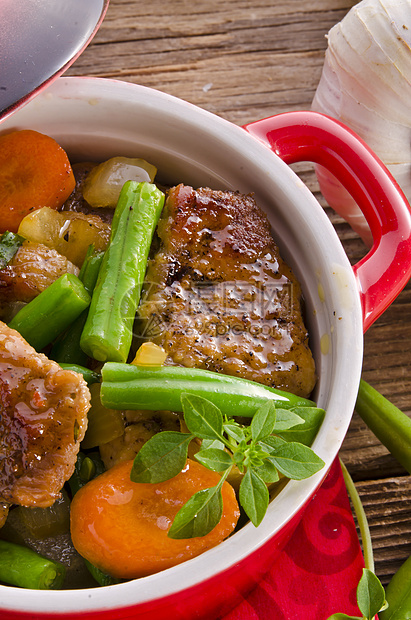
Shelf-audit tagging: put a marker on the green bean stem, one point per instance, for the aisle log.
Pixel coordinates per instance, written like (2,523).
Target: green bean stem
(67,348)
(50,313)
(388,423)
(107,333)
(23,567)
(125,386)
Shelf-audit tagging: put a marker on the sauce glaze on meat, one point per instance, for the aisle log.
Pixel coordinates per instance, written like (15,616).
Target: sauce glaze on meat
(43,419)
(219,296)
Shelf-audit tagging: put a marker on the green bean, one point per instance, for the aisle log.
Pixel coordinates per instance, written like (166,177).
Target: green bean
(89,376)
(388,423)
(23,567)
(90,269)
(87,467)
(398,594)
(125,386)
(103,579)
(50,313)
(107,333)
(9,244)
(67,347)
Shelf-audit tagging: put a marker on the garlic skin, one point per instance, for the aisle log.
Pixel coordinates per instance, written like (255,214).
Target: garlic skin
(366,84)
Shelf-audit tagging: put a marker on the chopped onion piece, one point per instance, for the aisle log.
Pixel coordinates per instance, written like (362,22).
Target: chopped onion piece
(149,354)
(103,184)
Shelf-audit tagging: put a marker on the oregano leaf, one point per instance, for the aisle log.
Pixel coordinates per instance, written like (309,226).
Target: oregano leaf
(268,472)
(370,594)
(296,461)
(285,419)
(212,443)
(198,516)
(306,431)
(202,417)
(253,496)
(162,457)
(272,443)
(214,459)
(235,431)
(263,421)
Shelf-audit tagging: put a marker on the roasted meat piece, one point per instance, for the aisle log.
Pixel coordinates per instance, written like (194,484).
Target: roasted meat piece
(32,269)
(43,419)
(218,295)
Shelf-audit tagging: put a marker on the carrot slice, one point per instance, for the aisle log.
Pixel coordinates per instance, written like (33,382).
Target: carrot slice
(34,172)
(121,526)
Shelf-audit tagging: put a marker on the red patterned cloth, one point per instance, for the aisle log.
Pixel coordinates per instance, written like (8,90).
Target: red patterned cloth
(317,573)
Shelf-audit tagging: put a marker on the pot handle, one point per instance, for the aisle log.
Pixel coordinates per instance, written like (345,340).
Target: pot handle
(311,136)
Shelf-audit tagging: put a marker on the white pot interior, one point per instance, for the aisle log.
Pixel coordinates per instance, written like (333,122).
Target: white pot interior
(94,119)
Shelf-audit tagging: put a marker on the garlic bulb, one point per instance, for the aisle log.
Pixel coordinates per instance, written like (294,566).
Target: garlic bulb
(366,84)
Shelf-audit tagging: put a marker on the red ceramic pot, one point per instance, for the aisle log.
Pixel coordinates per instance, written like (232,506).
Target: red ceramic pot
(95,119)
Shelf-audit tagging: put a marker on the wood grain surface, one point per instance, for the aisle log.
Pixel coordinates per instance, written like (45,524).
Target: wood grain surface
(245,60)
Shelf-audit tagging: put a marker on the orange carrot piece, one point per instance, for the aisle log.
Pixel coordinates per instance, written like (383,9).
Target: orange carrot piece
(34,172)
(121,526)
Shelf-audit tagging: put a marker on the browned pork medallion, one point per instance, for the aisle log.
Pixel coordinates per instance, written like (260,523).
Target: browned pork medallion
(43,419)
(218,295)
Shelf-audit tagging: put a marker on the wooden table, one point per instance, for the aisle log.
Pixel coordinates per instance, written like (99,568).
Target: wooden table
(245,60)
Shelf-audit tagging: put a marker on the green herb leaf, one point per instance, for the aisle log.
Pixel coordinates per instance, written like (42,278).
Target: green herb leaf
(268,472)
(272,443)
(214,459)
(370,594)
(199,516)
(263,421)
(254,496)
(162,457)
(212,443)
(9,244)
(304,433)
(286,418)
(202,417)
(235,431)
(296,461)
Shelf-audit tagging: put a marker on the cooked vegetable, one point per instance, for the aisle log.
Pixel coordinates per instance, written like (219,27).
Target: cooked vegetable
(20,566)
(68,232)
(47,522)
(67,348)
(387,422)
(9,244)
(51,312)
(89,376)
(112,527)
(34,172)
(366,84)
(126,386)
(103,424)
(107,334)
(87,468)
(149,355)
(103,184)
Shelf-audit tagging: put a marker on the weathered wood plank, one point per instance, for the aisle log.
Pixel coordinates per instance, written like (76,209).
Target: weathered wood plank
(387,506)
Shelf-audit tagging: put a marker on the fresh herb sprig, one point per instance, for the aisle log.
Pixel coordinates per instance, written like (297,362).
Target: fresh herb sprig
(370,598)
(257,450)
